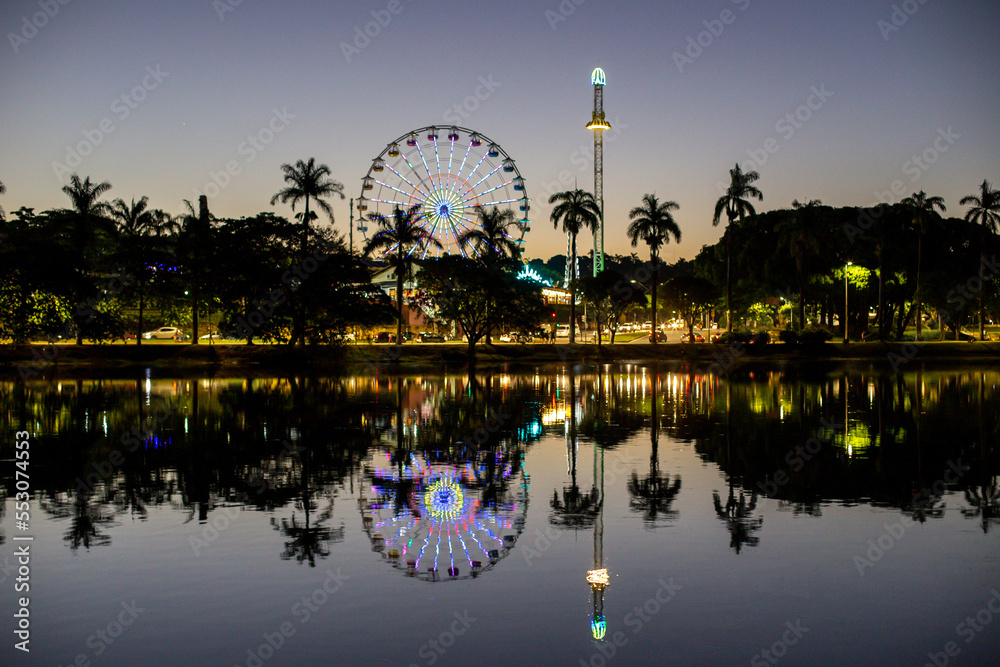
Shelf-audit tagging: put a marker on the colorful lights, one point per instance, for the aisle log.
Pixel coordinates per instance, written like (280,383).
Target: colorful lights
(597,78)
(444,499)
(598,627)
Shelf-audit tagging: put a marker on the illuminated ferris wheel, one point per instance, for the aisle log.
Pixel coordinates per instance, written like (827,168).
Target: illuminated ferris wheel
(430,520)
(449,174)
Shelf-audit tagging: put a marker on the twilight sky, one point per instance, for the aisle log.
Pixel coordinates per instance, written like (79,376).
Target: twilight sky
(896,81)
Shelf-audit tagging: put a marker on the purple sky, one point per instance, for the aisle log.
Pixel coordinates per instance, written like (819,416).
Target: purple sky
(678,129)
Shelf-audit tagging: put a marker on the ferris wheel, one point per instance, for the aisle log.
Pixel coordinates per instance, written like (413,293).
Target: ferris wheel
(432,523)
(449,174)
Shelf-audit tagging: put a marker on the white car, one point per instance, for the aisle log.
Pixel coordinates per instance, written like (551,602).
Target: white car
(164,333)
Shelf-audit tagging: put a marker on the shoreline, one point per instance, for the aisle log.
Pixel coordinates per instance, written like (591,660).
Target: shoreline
(35,361)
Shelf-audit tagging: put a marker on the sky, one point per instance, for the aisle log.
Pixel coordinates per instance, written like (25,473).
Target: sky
(838,101)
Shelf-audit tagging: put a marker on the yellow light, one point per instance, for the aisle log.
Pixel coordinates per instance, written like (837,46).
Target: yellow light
(598,577)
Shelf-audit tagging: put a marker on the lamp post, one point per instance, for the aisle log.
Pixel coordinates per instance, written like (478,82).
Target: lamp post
(846,338)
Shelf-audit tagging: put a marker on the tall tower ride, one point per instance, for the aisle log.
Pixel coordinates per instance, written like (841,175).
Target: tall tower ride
(598,124)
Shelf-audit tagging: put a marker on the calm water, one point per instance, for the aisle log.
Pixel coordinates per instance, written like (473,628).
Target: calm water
(823,517)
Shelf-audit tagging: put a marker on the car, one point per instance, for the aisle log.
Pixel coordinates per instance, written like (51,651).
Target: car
(407,336)
(128,336)
(562,331)
(430,337)
(383,337)
(165,333)
(660,336)
(698,338)
(213,335)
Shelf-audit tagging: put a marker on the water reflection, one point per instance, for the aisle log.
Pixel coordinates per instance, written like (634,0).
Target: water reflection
(114,449)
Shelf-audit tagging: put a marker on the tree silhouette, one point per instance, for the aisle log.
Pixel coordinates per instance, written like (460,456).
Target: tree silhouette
(654,494)
(576,509)
(492,242)
(83,225)
(576,210)
(738,517)
(799,234)
(736,205)
(400,238)
(308,181)
(923,210)
(984,211)
(653,223)
(984,502)
(139,233)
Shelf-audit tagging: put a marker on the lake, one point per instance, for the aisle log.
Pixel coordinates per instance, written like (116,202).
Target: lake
(627,515)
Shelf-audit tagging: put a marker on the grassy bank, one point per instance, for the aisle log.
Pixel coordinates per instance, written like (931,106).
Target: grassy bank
(41,360)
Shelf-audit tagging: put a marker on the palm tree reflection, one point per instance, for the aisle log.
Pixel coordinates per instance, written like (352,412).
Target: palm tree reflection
(738,510)
(576,509)
(654,494)
(984,503)
(738,517)
(307,539)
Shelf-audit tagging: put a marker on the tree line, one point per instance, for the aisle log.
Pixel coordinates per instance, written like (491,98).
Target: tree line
(95,269)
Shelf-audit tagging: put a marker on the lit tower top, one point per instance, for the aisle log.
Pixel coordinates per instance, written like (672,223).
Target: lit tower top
(598,124)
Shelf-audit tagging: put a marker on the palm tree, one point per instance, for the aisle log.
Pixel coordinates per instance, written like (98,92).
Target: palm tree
(88,214)
(491,238)
(137,227)
(400,238)
(736,204)
(923,207)
(985,212)
(133,219)
(576,210)
(194,242)
(492,242)
(83,221)
(308,181)
(653,223)
(134,222)
(799,234)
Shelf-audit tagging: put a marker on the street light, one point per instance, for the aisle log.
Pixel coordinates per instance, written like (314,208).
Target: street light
(846,340)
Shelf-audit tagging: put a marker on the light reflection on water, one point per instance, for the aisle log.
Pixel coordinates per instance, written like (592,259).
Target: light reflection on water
(662,516)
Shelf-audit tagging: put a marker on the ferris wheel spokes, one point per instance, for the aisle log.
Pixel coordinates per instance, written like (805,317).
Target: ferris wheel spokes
(449,196)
